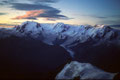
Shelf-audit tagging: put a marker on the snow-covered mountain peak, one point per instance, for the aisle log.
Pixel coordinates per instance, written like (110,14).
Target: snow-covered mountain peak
(64,34)
(61,30)
(99,26)
(28,26)
(59,27)
(59,24)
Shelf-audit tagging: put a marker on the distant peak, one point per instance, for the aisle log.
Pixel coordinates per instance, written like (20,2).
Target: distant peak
(99,26)
(59,23)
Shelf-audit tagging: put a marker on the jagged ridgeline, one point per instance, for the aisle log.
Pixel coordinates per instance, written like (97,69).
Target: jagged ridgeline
(34,50)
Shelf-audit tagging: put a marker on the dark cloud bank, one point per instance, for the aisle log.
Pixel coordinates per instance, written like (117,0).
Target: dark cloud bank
(50,13)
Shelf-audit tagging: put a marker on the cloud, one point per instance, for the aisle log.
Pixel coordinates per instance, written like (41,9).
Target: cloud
(106,19)
(30,14)
(7,1)
(4,2)
(118,25)
(110,22)
(48,14)
(96,16)
(100,17)
(27,7)
(44,1)
(115,16)
(103,17)
(34,8)
(6,25)
(3,13)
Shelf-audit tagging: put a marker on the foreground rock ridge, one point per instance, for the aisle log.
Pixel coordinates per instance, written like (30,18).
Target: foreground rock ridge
(83,71)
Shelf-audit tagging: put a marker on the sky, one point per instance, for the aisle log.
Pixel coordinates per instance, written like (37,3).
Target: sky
(78,12)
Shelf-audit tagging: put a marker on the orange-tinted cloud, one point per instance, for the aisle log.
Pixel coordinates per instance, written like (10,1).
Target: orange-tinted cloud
(31,14)
(42,13)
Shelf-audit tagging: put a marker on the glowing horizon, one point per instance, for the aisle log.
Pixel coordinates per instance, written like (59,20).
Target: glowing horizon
(78,12)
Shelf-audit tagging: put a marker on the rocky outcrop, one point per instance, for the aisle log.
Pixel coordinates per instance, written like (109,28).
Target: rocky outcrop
(83,71)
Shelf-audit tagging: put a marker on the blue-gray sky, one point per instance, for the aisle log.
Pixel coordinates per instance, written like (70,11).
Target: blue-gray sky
(68,11)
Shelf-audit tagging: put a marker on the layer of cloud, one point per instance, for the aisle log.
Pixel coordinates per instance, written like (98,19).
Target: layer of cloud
(48,14)
(6,25)
(27,7)
(110,22)
(103,17)
(34,8)
(30,14)
(32,1)
(44,1)
(96,16)
(6,2)
(3,13)
(115,16)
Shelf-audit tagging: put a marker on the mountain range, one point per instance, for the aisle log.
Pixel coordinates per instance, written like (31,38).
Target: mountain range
(41,48)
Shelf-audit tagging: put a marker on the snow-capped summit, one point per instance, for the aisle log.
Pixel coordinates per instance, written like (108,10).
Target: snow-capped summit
(66,35)
(62,29)
(99,26)
(27,26)
(98,45)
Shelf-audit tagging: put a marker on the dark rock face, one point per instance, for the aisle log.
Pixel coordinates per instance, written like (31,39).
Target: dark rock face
(30,59)
(104,56)
(117,76)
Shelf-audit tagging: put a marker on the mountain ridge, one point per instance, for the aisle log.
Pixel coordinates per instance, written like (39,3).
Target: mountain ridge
(98,45)
(65,35)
